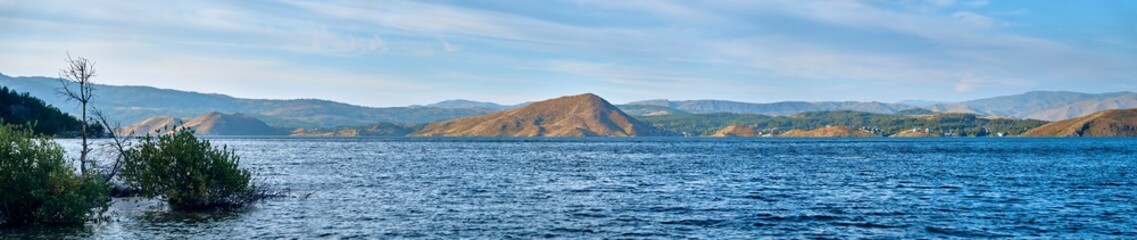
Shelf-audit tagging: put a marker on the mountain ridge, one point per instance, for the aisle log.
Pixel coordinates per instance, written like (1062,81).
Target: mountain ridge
(1042,105)
(135,103)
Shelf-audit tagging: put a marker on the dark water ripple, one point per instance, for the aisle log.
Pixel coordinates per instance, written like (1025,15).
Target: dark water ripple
(665,188)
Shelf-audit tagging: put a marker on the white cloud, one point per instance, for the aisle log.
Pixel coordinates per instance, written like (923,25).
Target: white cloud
(446,44)
(970,82)
(974,19)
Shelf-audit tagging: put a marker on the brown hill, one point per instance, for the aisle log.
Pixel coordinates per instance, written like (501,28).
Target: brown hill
(828,131)
(151,125)
(212,123)
(917,133)
(736,131)
(1108,123)
(575,116)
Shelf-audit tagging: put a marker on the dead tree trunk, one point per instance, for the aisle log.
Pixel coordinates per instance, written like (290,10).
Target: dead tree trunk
(77,86)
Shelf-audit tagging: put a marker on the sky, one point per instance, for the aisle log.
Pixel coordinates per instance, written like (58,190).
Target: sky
(398,53)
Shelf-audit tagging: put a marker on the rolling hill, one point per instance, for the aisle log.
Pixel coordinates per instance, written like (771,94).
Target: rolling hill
(1108,123)
(212,123)
(736,131)
(569,116)
(829,131)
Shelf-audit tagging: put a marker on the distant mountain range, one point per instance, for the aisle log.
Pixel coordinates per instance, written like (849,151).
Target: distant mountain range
(463,104)
(130,104)
(1041,105)
(1050,106)
(919,103)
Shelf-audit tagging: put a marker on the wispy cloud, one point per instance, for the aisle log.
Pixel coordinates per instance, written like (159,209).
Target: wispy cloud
(446,44)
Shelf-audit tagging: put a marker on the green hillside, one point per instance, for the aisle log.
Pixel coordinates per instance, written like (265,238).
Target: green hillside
(956,124)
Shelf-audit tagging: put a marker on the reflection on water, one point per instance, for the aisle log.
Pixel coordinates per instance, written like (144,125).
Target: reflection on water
(662,188)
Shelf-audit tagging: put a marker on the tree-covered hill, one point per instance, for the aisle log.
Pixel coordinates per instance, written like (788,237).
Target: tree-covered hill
(953,124)
(21,109)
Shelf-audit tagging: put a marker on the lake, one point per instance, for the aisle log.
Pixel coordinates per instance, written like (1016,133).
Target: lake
(662,188)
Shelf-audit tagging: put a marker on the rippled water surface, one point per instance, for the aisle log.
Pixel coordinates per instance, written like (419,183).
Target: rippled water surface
(663,188)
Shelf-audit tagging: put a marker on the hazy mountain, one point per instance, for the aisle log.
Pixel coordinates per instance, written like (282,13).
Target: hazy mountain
(1087,107)
(578,116)
(467,104)
(212,123)
(1042,105)
(130,104)
(649,110)
(919,103)
(772,109)
(1108,123)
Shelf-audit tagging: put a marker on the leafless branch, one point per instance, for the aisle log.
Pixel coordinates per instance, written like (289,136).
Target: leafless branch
(79,72)
(119,142)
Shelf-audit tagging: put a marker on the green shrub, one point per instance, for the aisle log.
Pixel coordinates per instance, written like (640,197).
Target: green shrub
(190,174)
(38,187)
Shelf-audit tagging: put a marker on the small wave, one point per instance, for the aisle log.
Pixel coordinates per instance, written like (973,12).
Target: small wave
(695,222)
(589,215)
(868,225)
(965,233)
(572,230)
(644,235)
(800,218)
(669,209)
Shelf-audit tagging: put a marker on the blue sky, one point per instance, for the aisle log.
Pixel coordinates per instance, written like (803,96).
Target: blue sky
(396,53)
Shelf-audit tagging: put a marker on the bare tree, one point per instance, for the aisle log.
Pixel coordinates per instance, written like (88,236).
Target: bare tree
(119,144)
(77,86)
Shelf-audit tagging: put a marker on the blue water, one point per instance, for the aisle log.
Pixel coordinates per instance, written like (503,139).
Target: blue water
(664,188)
